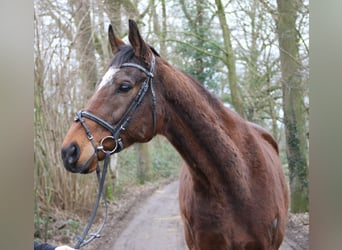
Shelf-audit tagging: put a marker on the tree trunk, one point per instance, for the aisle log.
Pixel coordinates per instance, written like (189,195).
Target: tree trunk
(144,163)
(230,61)
(85,45)
(159,27)
(163,51)
(113,10)
(293,104)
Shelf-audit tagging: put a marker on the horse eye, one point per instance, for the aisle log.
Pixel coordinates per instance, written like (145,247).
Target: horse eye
(124,88)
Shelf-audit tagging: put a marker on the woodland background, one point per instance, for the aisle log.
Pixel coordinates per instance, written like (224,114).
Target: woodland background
(253,54)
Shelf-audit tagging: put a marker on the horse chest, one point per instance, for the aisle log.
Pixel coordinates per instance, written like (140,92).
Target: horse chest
(211,221)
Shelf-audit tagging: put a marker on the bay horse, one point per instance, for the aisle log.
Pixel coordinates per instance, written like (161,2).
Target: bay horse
(232,192)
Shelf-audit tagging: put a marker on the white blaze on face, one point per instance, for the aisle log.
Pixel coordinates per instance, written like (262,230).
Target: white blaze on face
(107,78)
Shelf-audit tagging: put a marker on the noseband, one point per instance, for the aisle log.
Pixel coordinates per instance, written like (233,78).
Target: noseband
(127,116)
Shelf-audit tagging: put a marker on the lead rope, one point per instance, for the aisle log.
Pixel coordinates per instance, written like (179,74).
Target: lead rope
(154,99)
(82,241)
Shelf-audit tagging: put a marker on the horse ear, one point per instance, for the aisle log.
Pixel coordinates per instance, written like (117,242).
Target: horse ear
(114,41)
(141,49)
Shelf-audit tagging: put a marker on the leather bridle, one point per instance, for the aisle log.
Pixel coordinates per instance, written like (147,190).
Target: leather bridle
(121,125)
(115,131)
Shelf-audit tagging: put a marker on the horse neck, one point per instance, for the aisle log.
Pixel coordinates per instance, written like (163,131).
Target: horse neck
(202,130)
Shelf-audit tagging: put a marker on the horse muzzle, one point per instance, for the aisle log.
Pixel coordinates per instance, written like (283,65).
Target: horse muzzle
(70,156)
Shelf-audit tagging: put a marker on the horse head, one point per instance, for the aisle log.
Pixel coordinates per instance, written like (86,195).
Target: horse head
(122,109)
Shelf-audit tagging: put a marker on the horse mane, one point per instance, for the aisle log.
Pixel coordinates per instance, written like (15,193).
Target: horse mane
(192,93)
(213,100)
(127,54)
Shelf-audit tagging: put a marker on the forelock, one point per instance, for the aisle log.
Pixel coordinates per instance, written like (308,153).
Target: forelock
(125,54)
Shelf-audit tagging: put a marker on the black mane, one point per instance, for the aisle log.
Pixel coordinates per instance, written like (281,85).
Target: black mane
(126,54)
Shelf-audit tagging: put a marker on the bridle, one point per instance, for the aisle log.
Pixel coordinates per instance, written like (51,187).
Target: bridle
(115,136)
(121,125)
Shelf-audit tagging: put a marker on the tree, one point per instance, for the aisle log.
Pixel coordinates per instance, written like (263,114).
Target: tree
(293,103)
(113,9)
(198,34)
(85,44)
(229,60)
(202,45)
(144,163)
(159,27)
(256,50)
(200,53)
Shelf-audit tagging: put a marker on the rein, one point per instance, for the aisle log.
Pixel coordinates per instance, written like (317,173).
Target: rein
(82,241)
(115,131)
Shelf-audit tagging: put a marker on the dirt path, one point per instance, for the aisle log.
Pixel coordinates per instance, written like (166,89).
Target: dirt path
(157,226)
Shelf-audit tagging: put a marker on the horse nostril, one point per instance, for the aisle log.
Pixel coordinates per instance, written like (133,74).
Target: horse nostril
(71,154)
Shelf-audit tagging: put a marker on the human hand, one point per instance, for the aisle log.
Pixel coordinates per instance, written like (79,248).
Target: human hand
(64,248)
